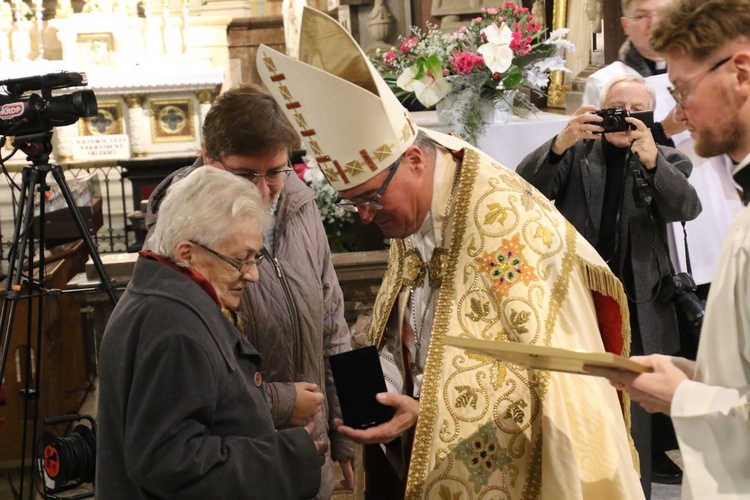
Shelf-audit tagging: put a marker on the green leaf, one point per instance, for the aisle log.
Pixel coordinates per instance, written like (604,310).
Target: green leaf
(543,51)
(420,64)
(513,77)
(434,66)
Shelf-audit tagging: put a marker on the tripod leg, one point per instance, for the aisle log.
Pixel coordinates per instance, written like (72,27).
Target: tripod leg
(59,176)
(23,227)
(15,259)
(14,274)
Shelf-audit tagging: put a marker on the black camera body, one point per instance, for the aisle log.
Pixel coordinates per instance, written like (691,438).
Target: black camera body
(34,114)
(680,289)
(613,119)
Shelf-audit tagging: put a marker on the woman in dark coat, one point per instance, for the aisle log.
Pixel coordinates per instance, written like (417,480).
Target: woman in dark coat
(181,409)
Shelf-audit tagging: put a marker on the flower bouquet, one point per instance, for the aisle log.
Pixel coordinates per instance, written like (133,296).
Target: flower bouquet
(342,228)
(484,64)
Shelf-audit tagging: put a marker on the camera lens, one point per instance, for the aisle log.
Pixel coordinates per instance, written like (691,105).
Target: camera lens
(612,123)
(66,109)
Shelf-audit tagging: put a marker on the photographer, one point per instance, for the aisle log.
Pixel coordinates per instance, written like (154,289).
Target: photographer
(619,189)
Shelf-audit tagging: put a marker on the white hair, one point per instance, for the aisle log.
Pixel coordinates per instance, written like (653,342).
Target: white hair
(628,78)
(206,206)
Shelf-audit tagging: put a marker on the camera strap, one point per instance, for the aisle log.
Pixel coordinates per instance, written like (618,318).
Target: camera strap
(634,169)
(687,250)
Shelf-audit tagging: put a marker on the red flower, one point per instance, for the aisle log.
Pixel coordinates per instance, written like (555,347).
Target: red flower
(299,169)
(408,44)
(389,58)
(463,63)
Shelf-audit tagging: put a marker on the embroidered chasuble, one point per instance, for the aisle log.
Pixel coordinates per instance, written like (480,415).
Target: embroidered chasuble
(505,266)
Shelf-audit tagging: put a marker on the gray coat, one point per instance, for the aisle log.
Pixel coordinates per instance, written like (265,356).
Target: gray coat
(294,314)
(181,413)
(577,187)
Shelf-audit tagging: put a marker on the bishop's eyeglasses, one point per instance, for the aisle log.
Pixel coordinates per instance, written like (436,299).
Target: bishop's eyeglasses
(374,202)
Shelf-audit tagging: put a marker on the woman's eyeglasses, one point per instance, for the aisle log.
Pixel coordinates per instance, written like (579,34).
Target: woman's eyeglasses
(242,266)
(272,178)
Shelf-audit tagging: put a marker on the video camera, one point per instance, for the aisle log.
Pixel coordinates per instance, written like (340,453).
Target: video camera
(36,113)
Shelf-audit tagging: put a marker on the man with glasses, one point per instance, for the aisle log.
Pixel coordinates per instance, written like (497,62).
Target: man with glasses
(294,314)
(707,45)
(599,181)
(636,57)
(711,178)
(476,252)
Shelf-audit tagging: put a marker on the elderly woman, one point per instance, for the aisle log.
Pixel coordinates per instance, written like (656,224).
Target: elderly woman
(181,411)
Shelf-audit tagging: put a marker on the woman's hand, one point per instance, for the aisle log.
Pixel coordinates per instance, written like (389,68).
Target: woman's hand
(307,403)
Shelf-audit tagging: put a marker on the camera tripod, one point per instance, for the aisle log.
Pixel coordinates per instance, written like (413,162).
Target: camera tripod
(38,148)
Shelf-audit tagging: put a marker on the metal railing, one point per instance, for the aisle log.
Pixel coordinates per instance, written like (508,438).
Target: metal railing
(116,234)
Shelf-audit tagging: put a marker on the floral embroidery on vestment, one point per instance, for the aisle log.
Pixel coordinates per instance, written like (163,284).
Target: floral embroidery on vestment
(507,266)
(482,454)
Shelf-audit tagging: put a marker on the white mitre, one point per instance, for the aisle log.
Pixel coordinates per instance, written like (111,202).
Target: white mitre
(353,124)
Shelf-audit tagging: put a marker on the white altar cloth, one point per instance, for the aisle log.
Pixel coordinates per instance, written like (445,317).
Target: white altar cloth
(508,143)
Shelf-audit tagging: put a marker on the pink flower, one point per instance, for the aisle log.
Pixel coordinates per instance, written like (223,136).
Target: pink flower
(492,11)
(389,58)
(463,63)
(476,20)
(408,44)
(462,29)
(299,169)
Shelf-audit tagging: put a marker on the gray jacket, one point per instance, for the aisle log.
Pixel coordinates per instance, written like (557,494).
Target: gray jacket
(576,184)
(294,314)
(181,413)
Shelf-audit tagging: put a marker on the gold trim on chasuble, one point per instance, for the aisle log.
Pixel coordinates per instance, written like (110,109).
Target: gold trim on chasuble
(479,427)
(330,167)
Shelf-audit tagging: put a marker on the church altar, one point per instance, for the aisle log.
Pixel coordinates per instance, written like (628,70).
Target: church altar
(508,142)
(155,69)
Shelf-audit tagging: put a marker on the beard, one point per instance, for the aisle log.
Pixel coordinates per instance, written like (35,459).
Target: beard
(715,142)
(726,130)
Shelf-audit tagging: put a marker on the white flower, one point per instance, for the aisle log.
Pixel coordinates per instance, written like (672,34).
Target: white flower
(536,77)
(557,38)
(558,33)
(497,53)
(430,88)
(554,63)
(314,174)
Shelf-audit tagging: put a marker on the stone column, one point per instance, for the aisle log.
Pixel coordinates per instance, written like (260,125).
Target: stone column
(5,32)
(137,124)
(63,142)
(205,99)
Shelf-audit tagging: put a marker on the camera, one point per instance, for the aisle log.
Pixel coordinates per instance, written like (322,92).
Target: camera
(36,113)
(680,289)
(613,119)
